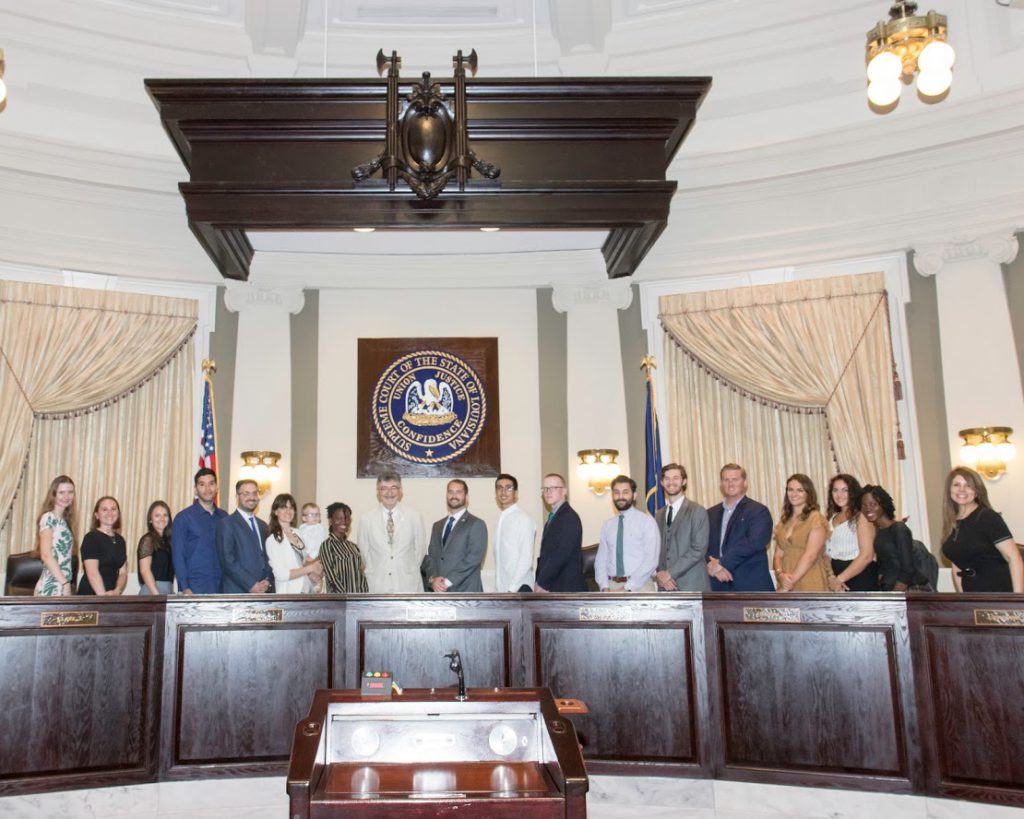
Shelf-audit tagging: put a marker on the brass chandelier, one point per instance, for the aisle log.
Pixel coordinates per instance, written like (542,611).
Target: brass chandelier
(904,45)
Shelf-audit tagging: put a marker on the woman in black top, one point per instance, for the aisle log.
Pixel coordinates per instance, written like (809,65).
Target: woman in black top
(976,540)
(156,572)
(894,545)
(104,554)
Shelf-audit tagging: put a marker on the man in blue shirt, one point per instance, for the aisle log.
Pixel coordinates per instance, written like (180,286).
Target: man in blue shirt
(194,539)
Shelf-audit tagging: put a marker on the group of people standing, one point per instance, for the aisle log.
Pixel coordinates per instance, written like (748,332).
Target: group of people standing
(857,544)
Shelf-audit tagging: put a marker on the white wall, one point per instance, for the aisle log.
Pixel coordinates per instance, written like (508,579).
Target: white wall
(509,315)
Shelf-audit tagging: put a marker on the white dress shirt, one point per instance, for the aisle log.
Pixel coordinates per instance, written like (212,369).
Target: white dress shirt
(392,568)
(513,550)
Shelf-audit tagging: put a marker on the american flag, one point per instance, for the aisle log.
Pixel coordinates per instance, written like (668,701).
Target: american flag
(208,435)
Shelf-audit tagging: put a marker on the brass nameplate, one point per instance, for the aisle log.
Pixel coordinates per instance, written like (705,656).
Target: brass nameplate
(257,615)
(429,615)
(998,617)
(616,614)
(770,614)
(69,619)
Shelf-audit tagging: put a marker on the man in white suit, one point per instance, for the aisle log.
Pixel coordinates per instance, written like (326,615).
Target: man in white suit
(392,540)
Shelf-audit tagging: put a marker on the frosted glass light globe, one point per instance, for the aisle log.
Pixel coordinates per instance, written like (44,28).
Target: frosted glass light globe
(935,82)
(969,454)
(938,55)
(3,91)
(884,92)
(884,66)
(1006,451)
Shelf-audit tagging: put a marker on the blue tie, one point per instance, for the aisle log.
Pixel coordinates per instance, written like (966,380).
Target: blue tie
(447,530)
(255,531)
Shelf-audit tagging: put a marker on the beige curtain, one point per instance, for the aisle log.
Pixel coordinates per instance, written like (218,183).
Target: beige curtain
(796,377)
(97,385)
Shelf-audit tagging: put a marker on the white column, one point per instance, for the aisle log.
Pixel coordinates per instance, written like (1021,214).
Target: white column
(596,399)
(980,373)
(262,412)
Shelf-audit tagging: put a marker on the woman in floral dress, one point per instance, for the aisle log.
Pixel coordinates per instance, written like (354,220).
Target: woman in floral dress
(57,539)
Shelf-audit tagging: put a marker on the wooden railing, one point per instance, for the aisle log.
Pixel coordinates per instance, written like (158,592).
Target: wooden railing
(886,692)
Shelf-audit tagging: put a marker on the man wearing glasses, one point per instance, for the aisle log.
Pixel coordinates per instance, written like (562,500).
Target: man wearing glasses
(513,541)
(560,565)
(241,544)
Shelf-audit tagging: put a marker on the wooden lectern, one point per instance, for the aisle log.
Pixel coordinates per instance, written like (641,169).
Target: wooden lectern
(504,753)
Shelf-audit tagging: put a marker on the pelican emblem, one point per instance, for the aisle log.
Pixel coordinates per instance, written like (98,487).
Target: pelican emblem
(429,404)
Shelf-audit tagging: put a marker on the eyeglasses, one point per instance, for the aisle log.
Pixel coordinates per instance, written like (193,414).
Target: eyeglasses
(504,488)
(550,488)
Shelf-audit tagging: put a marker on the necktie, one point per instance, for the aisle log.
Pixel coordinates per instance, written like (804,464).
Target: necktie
(391,529)
(447,531)
(255,531)
(551,517)
(620,568)
(668,522)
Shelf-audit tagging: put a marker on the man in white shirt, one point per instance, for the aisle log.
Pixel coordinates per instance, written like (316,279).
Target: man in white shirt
(627,555)
(513,540)
(392,540)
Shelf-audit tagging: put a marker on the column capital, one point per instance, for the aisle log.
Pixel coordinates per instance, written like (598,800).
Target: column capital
(999,248)
(616,293)
(242,295)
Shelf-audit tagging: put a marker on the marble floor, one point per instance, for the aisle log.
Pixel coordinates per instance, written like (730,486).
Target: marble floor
(610,797)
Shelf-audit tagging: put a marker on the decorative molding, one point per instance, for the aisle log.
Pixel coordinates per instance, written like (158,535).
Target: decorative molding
(239,296)
(998,248)
(615,294)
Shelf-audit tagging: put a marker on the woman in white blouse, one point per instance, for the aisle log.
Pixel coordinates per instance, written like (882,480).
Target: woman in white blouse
(286,551)
(851,545)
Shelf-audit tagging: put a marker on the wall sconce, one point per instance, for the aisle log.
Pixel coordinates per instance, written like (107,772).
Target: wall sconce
(987,449)
(260,466)
(908,44)
(598,468)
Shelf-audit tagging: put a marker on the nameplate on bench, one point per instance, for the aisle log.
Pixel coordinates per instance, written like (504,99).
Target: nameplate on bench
(430,615)
(770,614)
(616,614)
(998,617)
(69,619)
(257,615)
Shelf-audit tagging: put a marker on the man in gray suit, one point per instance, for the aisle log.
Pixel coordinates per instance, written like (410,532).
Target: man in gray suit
(684,537)
(458,544)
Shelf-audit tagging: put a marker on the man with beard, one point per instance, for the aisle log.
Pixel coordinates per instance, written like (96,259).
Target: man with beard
(241,545)
(627,555)
(458,544)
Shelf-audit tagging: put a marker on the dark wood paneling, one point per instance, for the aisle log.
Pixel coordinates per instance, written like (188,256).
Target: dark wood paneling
(971,695)
(634,662)
(257,680)
(824,699)
(410,637)
(574,154)
(79,702)
(241,674)
(915,693)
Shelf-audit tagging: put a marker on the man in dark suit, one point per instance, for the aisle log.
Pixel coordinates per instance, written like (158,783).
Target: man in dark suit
(739,531)
(560,563)
(683,525)
(458,544)
(241,546)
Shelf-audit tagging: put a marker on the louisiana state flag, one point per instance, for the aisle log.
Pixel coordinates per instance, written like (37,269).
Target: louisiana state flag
(654,493)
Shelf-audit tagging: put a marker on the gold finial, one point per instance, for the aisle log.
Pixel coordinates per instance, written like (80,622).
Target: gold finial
(209,366)
(648,364)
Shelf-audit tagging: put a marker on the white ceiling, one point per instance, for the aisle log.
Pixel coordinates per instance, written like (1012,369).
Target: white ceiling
(786,164)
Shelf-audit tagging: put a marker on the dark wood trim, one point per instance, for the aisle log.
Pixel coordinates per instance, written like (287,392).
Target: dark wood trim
(882,692)
(575,154)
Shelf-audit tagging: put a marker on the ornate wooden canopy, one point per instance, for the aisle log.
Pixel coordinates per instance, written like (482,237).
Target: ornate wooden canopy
(574,154)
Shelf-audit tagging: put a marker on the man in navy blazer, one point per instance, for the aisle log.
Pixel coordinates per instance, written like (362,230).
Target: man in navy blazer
(560,563)
(739,531)
(241,546)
